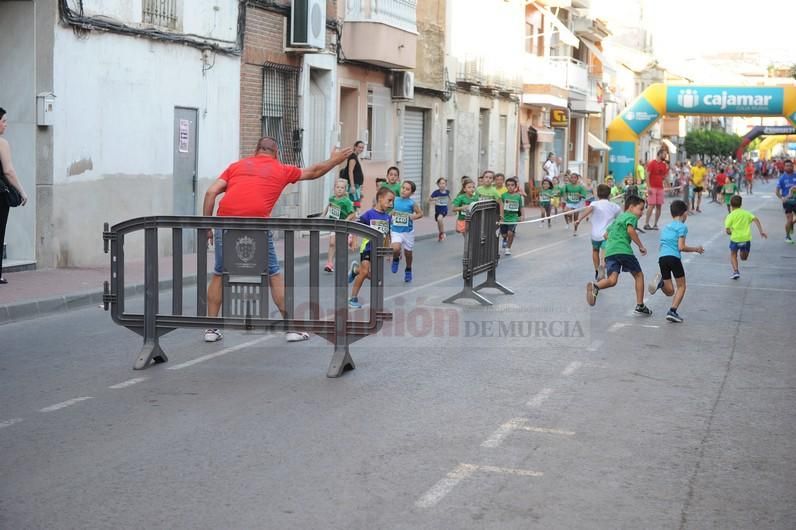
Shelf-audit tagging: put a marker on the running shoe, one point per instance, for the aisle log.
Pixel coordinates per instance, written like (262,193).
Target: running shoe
(213,335)
(655,285)
(407,276)
(647,227)
(673,316)
(503,243)
(354,303)
(508,251)
(296,336)
(591,293)
(788,240)
(328,268)
(352,273)
(394,266)
(735,275)
(641,309)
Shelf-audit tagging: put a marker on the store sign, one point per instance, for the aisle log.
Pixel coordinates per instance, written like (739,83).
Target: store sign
(559,118)
(736,101)
(640,116)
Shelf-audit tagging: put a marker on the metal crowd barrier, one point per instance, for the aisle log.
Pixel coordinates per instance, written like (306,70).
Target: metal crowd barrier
(481,252)
(245,299)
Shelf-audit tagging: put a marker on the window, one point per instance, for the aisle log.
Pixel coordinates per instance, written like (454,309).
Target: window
(280,110)
(530,38)
(161,13)
(379,118)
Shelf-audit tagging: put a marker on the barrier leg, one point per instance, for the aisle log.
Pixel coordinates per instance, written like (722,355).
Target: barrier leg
(341,361)
(468,292)
(491,282)
(151,352)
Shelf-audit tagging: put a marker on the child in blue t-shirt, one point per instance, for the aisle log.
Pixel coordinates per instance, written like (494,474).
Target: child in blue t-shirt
(440,198)
(402,227)
(672,245)
(378,218)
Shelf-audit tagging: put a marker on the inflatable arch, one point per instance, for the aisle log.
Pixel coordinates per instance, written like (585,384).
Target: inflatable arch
(660,99)
(762,130)
(767,146)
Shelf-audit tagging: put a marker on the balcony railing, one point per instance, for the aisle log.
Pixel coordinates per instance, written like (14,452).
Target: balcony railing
(563,72)
(488,74)
(401,14)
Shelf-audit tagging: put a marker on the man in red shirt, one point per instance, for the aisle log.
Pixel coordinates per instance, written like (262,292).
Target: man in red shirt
(749,173)
(251,188)
(721,180)
(657,170)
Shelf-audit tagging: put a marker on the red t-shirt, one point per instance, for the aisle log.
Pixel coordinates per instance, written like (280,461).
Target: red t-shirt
(750,171)
(656,172)
(721,179)
(254,185)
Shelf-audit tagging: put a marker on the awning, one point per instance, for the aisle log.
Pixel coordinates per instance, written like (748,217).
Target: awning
(599,54)
(544,135)
(597,144)
(567,37)
(669,145)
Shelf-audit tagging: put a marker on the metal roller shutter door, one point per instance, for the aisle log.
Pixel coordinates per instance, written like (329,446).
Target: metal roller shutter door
(414,141)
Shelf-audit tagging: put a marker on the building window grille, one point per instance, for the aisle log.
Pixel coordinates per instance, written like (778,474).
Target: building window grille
(161,13)
(280,110)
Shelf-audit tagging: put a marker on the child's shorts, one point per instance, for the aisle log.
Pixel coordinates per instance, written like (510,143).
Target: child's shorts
(440,212)
(506,228)
(405,239)
(621,262)
(597,245)
(746,246)
(461,225)
(671,266)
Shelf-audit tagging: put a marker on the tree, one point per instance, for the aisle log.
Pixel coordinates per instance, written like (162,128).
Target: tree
(711,143)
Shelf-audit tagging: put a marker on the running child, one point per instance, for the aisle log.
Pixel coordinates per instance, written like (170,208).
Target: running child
(738,225)
(462,202)
(574,195)
(619,255)
(555,200)
(669,261)
(729,190)
(339,208)
(440,198)
(487,190)
(512,213)
(500,183)
(546,196)
(378,218)
(604,212)
(402,229)
(393,182)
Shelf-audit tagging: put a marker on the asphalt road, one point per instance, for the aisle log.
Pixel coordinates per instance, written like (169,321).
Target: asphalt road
(538,412)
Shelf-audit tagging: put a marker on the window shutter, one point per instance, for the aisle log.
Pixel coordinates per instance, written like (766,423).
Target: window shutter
(381,135)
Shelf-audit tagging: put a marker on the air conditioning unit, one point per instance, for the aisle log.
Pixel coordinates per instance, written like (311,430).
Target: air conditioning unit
(403,85)
(308,24)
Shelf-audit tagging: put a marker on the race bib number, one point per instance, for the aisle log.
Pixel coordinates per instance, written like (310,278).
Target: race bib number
(512,206)
(442,201)
(400,219)
(381,225)
(334,212)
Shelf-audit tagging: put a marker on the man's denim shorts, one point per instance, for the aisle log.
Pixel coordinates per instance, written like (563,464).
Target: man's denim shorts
(273,260)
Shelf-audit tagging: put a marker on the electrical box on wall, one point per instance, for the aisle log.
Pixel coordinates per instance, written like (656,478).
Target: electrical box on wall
(45,109)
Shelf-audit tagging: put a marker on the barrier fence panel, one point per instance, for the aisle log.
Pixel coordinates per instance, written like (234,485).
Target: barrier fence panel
(481,252)
(245,281)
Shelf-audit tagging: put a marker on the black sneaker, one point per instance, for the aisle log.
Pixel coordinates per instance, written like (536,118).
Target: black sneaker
(672,316)
(641,309)
(591,293)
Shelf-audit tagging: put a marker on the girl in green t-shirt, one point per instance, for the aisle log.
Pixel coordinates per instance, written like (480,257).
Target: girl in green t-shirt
(461,204)
(339,208)
(546,196)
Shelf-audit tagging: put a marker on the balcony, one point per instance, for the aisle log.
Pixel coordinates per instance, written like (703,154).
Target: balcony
(380,32)
(562,72)
(589,103)
(489,75)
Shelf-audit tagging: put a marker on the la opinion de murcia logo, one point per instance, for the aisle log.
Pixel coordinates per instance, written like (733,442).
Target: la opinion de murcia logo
(688,98)
(244,248)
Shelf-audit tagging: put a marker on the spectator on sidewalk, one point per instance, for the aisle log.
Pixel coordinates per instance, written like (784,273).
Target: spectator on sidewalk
(8,178)
(352,173)
(251,188)
(550,167)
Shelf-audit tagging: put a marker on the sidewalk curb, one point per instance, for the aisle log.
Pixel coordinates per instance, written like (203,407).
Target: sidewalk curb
(47,306)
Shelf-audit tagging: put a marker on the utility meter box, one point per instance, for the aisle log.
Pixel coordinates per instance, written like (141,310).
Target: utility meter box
(45,109)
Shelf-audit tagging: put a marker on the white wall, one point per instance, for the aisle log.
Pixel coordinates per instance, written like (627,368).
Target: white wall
(114,129)
(18,98)
(217,19)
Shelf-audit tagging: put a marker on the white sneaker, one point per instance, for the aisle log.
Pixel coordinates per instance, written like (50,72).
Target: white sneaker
(213,335)
(508,252)
(293,336)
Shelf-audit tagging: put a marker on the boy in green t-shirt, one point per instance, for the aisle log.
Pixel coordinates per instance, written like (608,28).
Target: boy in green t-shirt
(574,195)
(512,213)
(729,190)
(393,182)
(738,225)
(340,208)
(619,254)
(487,190)
(462,202)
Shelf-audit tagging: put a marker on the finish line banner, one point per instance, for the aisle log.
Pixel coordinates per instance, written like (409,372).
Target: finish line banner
(733,101)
